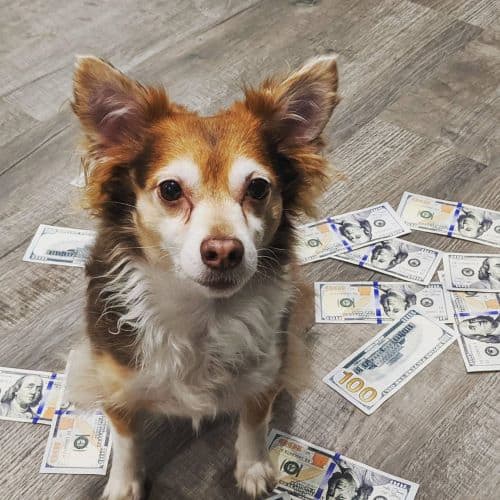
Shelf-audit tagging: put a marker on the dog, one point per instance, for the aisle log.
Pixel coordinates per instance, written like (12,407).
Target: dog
(192,280)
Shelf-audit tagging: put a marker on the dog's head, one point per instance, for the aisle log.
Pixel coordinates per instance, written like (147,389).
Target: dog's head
(208,197)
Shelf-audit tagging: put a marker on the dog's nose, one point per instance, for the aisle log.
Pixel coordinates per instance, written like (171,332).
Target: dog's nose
(221,253)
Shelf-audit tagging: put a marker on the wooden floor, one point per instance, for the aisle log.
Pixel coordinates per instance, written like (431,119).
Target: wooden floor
(420,111)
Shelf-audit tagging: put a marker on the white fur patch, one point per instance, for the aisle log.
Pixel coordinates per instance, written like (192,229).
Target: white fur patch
(181,169)
(242,169)
(125,479)
(198,355)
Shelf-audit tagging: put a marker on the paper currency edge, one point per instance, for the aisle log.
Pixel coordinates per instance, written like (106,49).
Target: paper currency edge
(275,432)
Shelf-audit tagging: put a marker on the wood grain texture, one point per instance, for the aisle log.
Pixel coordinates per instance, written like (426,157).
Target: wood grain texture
(460,104)
(484,13)
(419,81)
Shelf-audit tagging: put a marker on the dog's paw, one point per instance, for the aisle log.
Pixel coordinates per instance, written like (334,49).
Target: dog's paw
(120,489)
(256,478)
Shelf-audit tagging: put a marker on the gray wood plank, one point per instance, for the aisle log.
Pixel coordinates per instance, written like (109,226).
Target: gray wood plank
(460,104)
(484,13)
(38,58)
(42,37)
(13,121)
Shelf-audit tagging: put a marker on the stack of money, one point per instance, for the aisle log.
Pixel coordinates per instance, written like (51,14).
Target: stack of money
(347,232)
(310,472)
(450,218)
(379,302)
(472,283)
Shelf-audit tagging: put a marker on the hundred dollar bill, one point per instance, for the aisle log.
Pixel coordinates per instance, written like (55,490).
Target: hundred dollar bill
(379,302)
(472,272)
(349,231)
(479,341)
(396,257)
(29,396)
(450,218)
(60,245)
(477,319)
(79,443)
(467,304)
(310,472)
(378,369)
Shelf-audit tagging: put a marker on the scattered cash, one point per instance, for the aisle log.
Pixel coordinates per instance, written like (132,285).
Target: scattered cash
(396,257)
(378,369)
(472,272)
(378,302)
(309,472)
(79,443)
(349,231)
(453,219)
(29,396)
(62,246)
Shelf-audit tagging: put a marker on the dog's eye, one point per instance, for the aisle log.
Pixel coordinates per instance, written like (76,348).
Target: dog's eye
(170,190)
(258,189)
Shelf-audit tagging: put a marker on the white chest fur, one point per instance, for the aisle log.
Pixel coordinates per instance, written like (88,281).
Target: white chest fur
(200,355)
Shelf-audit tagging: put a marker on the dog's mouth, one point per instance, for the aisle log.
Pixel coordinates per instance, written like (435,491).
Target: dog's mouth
(218,283)
(221,285)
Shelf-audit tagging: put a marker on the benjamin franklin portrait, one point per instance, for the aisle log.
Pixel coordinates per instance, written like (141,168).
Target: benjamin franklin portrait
(21,399)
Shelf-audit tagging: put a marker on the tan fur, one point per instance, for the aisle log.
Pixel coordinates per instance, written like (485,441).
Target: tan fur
(257,409)
(121,420)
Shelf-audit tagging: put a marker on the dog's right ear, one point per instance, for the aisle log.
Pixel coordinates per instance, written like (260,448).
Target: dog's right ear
(114,110)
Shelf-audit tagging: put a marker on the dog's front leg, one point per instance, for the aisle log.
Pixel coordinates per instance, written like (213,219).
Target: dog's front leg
(254,471)
(126,476)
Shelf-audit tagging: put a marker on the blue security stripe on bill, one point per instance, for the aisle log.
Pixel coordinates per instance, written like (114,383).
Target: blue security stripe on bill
(379,302)
(298,477)
(451,218)
(349,231)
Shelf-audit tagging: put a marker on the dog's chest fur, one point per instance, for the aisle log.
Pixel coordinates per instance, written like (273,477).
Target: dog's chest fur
(199,355)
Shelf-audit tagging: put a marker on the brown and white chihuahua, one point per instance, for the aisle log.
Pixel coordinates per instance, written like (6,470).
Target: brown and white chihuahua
(191,281)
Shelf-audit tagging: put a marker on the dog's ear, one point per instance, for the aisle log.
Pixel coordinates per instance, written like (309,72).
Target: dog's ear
(293,112)
(296,109)
(114,110)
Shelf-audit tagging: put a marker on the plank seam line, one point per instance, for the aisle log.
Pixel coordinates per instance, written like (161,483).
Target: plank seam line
(9,92)
(25,240)
(35,149)
(232,16)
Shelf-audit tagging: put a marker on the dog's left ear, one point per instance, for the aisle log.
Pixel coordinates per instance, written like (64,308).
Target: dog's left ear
(296,109)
